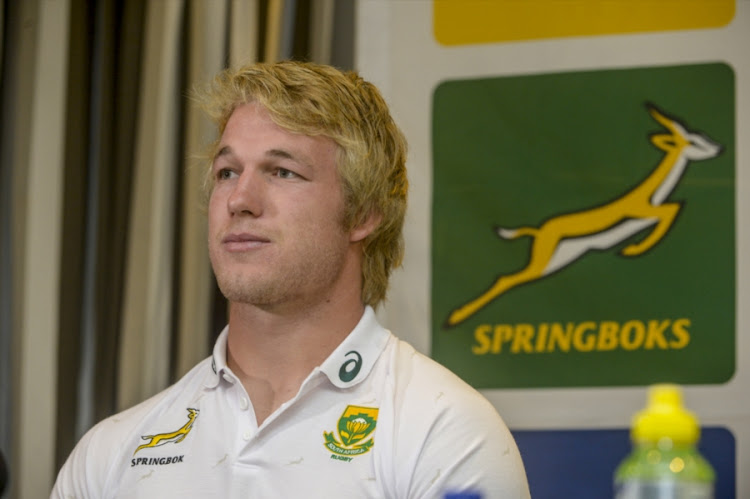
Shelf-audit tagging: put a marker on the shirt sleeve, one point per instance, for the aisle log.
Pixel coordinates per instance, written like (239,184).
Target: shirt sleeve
(84,474)
(469,454)
(456,441)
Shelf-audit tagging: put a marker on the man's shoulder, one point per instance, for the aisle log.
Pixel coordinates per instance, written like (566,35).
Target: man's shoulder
(441,422)
(423,371)
(90,470)
(424,382)
(129,421)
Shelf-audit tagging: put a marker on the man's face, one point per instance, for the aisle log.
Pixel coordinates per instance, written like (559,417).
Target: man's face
(275,213)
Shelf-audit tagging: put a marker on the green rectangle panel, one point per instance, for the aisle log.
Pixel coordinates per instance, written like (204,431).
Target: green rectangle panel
(583,227)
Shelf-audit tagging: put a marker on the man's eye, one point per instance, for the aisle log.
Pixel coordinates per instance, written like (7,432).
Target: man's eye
(224,174)
(284,173)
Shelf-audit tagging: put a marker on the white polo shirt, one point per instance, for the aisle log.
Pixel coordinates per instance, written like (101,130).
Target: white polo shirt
(376,419)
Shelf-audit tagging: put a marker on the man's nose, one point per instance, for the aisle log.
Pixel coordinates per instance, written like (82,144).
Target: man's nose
(248,195)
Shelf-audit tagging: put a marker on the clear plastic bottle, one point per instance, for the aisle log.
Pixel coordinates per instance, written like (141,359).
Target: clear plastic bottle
(664,462)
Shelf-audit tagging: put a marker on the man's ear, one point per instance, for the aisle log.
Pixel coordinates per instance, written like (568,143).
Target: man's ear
(365,228)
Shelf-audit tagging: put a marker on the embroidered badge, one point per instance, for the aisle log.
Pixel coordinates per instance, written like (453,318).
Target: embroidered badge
(174,437)
(355,425)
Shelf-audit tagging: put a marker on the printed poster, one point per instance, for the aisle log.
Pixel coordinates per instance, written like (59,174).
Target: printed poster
(583,227)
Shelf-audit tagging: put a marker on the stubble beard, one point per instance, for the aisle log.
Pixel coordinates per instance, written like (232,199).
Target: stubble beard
(302,280)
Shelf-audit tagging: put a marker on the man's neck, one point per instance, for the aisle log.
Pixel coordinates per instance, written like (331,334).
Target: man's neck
(272,353)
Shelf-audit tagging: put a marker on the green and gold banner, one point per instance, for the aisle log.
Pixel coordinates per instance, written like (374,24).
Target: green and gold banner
(584,222)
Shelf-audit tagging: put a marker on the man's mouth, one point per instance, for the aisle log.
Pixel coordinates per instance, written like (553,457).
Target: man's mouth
(243,241)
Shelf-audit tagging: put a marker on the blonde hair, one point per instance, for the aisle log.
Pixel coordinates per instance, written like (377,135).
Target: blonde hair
(318,100)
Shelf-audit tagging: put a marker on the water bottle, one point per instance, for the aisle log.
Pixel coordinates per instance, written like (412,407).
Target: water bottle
(664,462)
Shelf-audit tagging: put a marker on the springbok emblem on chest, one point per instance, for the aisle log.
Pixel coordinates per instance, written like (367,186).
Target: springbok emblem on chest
(170,437)
(563,239)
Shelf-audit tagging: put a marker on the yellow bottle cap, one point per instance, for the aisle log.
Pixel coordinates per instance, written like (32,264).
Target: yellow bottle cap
(665,416)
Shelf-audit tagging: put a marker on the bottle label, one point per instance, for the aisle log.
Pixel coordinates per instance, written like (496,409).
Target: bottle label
(637,489)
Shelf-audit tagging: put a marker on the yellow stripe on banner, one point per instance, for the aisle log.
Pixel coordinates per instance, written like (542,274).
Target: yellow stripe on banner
(459,22)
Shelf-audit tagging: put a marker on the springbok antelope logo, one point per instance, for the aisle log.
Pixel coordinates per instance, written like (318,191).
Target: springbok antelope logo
(561,240)
(173,437)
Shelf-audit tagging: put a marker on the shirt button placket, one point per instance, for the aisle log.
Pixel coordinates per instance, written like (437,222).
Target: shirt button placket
(244,404)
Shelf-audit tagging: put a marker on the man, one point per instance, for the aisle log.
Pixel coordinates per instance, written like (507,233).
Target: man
(305,395)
